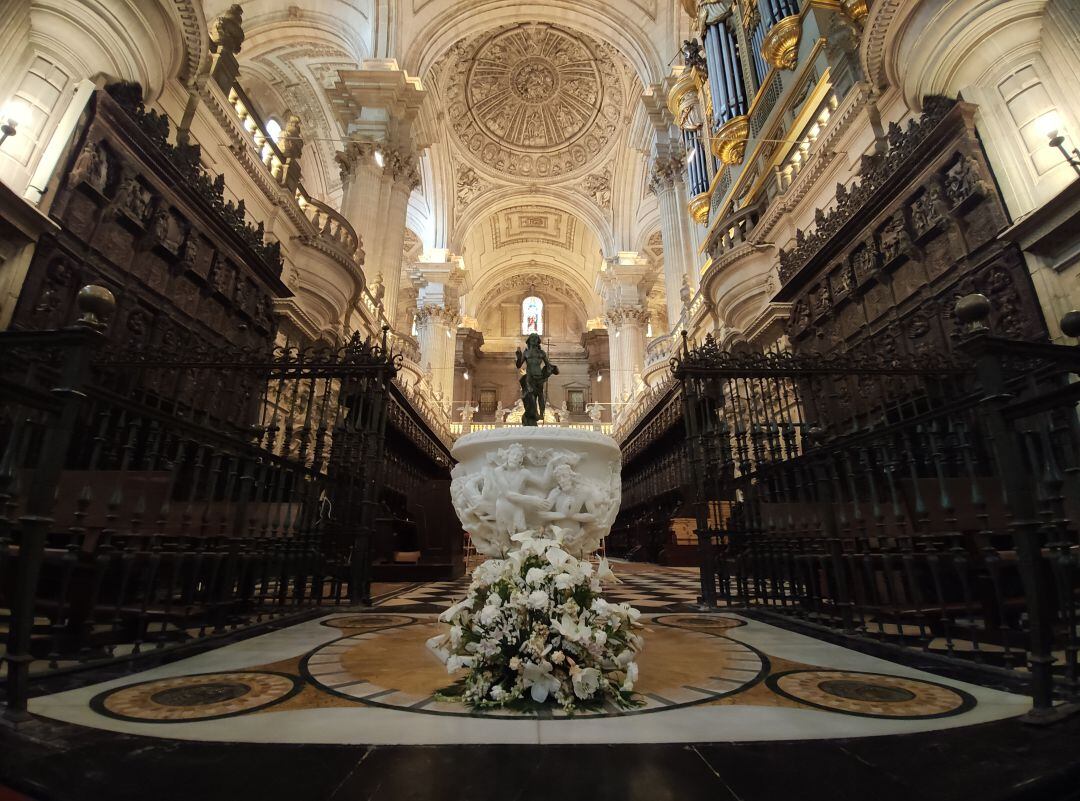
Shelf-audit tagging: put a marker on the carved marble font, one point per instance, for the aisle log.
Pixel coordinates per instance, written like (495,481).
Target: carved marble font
(534,380)
(513,480)
(534,100)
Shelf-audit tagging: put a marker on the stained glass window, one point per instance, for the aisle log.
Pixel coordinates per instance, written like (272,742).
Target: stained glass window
(532,316)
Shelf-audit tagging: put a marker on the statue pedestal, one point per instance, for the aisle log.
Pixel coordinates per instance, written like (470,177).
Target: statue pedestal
(511,480)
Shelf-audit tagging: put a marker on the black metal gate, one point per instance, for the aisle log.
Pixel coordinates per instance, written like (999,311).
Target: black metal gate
(928,502)
(153,498)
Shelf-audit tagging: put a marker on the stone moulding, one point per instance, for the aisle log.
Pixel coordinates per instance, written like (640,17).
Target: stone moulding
(729,145)
(781,45)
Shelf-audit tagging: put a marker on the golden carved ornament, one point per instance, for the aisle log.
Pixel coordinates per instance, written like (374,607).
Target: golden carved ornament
(781,45)
(856,9)
(699,208)
(729,144)
(684,103)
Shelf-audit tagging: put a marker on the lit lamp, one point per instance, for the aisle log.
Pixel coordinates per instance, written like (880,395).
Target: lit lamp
(10,123)
(1050,124)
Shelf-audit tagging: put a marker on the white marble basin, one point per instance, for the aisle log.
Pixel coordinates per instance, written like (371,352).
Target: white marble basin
(515,479)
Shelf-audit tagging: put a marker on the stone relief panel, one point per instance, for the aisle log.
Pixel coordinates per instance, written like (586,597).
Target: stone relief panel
(533,224)
(521,488)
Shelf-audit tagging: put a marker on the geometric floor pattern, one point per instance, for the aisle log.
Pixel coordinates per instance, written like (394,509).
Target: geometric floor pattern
(365,676)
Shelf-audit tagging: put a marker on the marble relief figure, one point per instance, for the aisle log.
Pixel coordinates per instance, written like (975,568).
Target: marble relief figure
(522,488)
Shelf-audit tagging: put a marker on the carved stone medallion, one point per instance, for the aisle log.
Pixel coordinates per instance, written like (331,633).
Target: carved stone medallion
(534,100)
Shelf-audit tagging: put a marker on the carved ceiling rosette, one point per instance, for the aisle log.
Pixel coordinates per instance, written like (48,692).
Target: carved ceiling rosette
(534,100)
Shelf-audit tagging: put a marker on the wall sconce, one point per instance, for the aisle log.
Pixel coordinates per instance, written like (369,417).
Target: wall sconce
(1050,125)
(466,375)
(9,122)
(379,158)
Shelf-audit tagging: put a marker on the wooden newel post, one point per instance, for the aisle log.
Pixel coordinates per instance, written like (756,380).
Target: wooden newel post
(96,305)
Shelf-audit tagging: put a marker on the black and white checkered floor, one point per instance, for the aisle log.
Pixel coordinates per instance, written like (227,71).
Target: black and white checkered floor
(656,589)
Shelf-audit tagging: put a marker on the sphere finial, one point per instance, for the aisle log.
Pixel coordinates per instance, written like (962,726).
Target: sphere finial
(973,311)
(96,306)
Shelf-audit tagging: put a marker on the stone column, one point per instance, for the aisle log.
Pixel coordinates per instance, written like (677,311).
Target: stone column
(624,285)
(626,340)
(361,182)
(437,316)
(680,257)
(401,168)
(435,331)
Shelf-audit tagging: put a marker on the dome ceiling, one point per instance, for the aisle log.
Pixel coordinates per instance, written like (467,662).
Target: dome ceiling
(534,101)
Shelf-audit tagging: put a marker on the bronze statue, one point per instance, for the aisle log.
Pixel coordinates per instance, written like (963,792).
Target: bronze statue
(537,371)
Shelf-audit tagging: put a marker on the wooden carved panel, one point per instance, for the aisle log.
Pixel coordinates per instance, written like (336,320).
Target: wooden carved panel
(139,216)
(885,267)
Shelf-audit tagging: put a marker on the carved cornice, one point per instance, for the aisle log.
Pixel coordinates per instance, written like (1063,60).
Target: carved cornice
(872,49)
(192,24)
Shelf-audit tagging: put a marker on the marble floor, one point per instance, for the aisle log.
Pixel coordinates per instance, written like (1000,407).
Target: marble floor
(365,677)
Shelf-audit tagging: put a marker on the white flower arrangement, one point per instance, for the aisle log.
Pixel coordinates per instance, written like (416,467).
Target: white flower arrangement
(535,629)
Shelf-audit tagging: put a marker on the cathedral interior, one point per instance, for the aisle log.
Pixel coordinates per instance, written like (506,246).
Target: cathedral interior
(812,265)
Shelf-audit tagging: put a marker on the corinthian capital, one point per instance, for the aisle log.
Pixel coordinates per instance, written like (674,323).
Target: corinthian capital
(435,314)
(355,156)
(401,164)
(622,315)
(666,171)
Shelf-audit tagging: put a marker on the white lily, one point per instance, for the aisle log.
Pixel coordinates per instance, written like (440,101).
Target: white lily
(539,681)
(571,629)
(604,572)
(586,681)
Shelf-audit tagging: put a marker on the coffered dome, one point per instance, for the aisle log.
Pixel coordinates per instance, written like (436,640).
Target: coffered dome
(533,100)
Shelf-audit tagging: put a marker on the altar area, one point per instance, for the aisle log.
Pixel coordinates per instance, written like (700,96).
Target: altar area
(365,678)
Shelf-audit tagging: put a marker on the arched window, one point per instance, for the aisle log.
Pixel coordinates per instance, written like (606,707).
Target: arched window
(273,130)
(532,316)
(273,134)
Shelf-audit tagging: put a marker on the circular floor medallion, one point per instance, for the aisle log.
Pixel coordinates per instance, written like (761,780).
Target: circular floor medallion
(208,696)
(873,695)
(700,622)
(366,621)
(390,667)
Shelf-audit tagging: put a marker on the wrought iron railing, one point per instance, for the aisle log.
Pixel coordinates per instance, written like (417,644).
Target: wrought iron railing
(151,499)
(928,503)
